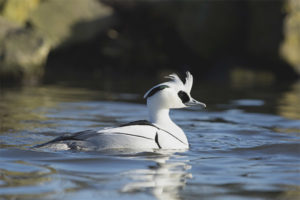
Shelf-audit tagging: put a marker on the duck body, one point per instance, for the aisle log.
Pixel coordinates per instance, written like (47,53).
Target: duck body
(134,135)
(160,132)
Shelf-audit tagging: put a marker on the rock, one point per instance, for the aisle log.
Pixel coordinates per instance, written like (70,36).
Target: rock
(6,26)
(211,37)
(66,22)
(290,49)
(17,11)
(23,52)
(30,29)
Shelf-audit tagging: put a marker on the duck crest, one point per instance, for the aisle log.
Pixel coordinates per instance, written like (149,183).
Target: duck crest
(188,80)
(174,77)
(174,80)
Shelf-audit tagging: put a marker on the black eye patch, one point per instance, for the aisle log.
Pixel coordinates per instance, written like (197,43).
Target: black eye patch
(183,96)
(156,89)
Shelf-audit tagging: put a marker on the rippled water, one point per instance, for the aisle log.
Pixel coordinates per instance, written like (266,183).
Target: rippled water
(245,145)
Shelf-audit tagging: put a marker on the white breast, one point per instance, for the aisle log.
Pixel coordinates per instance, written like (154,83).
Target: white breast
(168,140)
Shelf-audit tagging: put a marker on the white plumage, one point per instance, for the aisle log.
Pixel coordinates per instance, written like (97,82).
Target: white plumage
(160,132)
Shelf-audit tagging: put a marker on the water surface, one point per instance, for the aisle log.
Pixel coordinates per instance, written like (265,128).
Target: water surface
(245,145)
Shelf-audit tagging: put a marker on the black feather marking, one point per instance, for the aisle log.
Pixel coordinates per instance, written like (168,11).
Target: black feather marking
(183,96)
(73,136)
(119,133)
(83,135)
(156,140)
(139,122)
(155,90)
(145,122)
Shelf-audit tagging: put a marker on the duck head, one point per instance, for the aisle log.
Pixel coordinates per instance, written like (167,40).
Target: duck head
(172,94)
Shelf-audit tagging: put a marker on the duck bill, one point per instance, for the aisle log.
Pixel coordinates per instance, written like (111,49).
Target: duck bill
(194,102)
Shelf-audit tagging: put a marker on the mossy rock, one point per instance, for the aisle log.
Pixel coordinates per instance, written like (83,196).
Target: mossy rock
(17,11)
(67,22)
(290,49)
(23,53)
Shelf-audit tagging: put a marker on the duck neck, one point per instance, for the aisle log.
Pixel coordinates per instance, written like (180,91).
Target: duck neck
(160,117)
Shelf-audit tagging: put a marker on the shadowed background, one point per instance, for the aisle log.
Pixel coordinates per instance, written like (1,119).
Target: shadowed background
(245,42)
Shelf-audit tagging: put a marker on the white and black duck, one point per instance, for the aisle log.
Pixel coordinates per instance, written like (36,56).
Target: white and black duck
(160,132)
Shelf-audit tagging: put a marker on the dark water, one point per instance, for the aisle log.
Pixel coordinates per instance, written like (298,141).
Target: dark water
(245,145)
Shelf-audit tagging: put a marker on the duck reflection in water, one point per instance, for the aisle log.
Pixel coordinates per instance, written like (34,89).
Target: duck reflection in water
(165,179)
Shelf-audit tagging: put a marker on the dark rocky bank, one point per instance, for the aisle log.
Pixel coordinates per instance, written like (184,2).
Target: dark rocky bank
(54,40)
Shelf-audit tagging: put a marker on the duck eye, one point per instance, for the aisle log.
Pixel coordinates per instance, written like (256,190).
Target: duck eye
(155,90)
(183,96)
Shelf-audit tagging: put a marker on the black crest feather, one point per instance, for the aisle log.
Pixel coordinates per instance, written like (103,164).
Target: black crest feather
(155,90)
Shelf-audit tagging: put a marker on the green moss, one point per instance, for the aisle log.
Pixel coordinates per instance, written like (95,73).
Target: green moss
(18,10)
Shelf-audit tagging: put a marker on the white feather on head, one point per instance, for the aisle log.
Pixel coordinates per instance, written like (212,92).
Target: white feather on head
(174,77)
(188,80)
(187,86)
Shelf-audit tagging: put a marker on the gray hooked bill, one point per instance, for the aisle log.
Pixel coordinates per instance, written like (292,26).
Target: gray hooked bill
(194,102)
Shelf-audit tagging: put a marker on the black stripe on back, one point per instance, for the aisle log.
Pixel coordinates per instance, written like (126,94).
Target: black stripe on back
(139,122)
